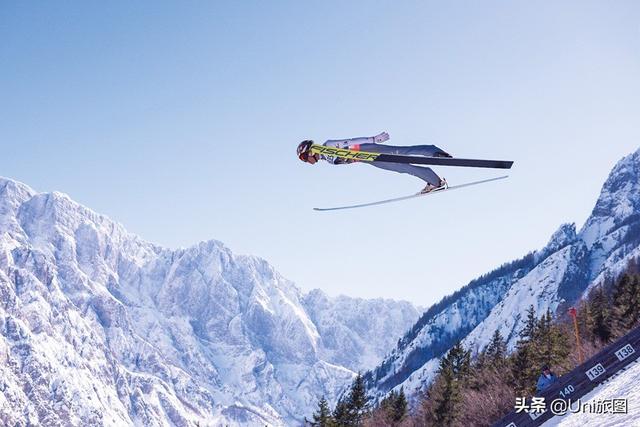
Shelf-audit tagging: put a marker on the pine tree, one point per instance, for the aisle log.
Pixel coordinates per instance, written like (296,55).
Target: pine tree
(323,418)
(524,363)
(358,402)
(523,369)
(394,406)
(529,325)
(453,371)
(399,407)
(341,413)
(541,340)
(457,360)
(448,400)
(497,348)
(387,403)
(625,312)
(622,304)
(601,312)
(551,343)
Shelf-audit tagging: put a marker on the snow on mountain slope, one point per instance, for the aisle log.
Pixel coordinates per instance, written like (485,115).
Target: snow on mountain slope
(619,201)
(539,288)
(623,386)
(354,332)
(98,327)
(435,331)
(551,278)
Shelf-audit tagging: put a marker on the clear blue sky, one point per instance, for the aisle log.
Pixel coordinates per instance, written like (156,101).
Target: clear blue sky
(180,120)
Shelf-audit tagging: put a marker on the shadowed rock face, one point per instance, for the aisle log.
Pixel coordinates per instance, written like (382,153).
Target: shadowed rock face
(551,278)
(100,327)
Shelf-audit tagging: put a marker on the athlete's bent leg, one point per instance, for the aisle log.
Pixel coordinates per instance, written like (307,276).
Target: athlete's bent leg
(424,173)
(414,150)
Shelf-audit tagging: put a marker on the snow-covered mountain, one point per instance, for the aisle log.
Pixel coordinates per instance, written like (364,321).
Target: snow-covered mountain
(551,278)
(98,327)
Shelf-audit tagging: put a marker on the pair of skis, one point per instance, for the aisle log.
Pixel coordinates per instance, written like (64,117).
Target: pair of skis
(380,157)
(413,196)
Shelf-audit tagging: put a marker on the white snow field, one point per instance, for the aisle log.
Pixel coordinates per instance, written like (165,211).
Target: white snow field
(626,385)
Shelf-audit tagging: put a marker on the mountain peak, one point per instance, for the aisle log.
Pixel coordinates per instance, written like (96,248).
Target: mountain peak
(13,193)
(619,199)
(563,236)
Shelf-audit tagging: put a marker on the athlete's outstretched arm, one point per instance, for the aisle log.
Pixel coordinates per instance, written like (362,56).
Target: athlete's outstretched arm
(345,143)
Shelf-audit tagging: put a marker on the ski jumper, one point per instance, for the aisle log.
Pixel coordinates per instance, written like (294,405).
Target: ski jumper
(367,144)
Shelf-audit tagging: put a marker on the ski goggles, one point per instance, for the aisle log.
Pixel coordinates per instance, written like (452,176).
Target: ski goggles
(307,156)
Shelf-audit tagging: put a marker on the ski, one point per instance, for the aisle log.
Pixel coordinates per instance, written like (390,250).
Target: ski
(364,156)
(397,199)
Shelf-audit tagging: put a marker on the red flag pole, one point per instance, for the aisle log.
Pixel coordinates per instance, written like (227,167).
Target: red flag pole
(573,313)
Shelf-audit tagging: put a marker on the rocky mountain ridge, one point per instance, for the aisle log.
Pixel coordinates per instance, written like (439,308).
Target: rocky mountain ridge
(99,327)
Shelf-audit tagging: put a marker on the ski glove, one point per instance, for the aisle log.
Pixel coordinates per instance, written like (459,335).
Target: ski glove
(381,137)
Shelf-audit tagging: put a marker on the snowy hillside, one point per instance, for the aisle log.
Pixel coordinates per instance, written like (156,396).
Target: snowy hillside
(98,327)
(551,278)
(623,386)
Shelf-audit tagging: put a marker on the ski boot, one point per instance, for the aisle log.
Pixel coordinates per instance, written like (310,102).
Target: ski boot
(430,187)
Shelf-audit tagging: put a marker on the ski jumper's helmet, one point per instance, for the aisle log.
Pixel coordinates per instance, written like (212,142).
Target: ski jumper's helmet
(303,149)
